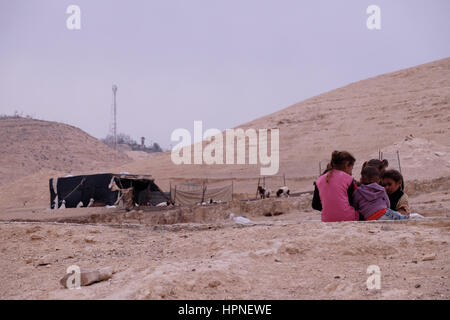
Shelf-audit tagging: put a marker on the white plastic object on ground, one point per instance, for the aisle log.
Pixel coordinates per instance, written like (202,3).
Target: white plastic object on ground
(416,216)
(239,219)
(162,204)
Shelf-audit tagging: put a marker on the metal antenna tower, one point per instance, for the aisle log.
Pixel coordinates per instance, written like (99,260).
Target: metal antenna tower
(114,128)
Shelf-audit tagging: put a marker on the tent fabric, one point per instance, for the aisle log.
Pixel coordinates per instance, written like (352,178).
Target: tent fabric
(194,197)
(104,189)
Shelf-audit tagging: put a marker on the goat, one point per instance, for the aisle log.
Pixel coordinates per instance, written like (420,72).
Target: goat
(283,191)
(263,193)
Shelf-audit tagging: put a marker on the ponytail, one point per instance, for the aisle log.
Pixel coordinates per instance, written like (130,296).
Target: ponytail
(338,161)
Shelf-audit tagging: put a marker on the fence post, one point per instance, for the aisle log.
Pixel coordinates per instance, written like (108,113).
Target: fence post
(204,190)
(398,158)
(256,196)
(175,195)
(232,189)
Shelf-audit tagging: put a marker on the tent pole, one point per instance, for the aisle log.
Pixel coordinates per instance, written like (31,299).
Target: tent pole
(256,196)
(232,189)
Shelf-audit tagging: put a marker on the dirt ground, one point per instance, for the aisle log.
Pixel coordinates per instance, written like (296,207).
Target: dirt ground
(289,256)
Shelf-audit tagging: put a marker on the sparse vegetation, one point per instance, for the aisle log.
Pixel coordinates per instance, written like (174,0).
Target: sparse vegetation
(126,139)
(16,115)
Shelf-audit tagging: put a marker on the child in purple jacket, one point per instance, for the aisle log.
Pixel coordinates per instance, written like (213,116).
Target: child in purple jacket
(371,199)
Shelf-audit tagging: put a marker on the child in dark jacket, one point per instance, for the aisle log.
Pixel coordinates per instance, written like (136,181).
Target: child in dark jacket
(371,199)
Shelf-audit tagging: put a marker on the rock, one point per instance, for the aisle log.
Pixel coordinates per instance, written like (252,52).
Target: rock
(440,154)
(386,228)
(33,229)
(89,239)
(292,250)
(417,286)
(274,207)
(90,277)
(28,260)
(214,284)
(45,260)
(429,257)
(36,237)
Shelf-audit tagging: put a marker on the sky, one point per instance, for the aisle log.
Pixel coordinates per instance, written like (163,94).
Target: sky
(224,62)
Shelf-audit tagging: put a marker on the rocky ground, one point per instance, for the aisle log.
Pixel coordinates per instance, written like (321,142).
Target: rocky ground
(288,256)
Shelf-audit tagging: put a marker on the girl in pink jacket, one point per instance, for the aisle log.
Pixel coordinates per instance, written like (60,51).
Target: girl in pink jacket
(334,189)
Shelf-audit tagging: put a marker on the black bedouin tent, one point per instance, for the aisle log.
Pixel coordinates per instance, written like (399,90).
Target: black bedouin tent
(104,189)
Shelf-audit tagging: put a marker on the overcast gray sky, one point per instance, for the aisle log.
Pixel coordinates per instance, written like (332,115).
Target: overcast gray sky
(224,62)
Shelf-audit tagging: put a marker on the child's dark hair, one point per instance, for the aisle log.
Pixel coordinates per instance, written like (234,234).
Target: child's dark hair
(394,175)
(370,175)
(338,161)
(379,164)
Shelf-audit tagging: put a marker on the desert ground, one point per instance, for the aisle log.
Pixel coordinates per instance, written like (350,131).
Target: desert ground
(284,252)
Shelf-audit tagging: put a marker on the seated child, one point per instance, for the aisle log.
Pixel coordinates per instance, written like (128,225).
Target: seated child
(393,183)
(381,165)
(334,189)
(371,200)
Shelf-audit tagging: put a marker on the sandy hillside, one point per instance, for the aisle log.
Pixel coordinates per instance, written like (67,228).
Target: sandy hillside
(29,146)
(363,117)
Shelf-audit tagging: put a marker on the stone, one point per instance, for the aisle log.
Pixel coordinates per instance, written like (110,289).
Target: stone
(89,239)
(36,237)
(89,277)
(292,250)
(214,284)
(429,257)
(33,229)
(44,260)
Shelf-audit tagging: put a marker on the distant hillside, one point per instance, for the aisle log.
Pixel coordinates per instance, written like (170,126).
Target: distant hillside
(28,146)
(362,117)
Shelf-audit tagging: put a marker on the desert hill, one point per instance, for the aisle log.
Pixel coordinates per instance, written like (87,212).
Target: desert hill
(363,117)
(29,146)
(406,111)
